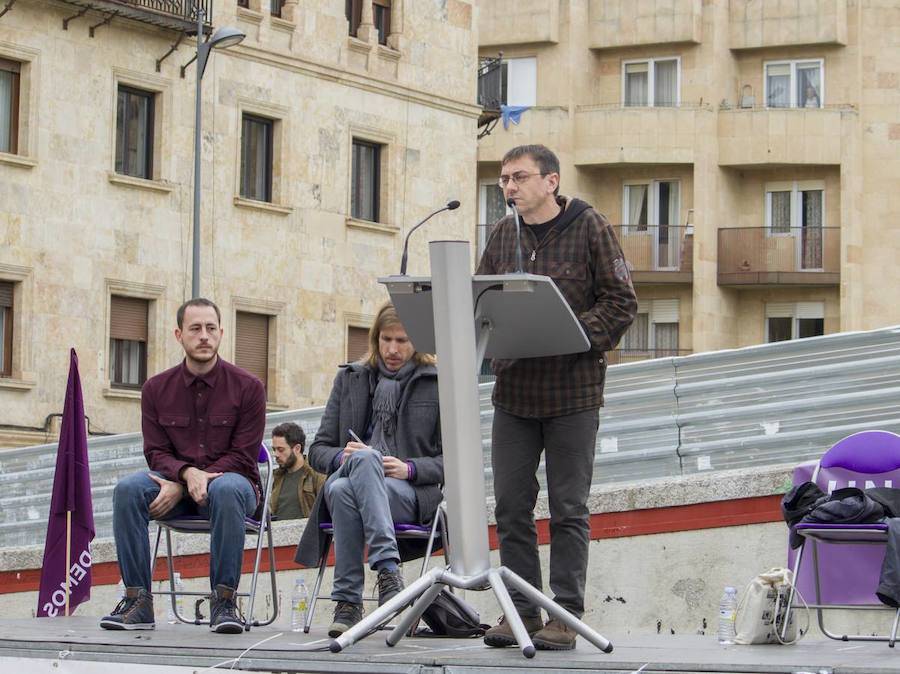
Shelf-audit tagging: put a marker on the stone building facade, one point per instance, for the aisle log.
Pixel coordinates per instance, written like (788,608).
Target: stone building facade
(324,139)
(748,150)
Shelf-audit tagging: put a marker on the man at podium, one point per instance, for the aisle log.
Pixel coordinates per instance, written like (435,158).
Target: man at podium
(551,404)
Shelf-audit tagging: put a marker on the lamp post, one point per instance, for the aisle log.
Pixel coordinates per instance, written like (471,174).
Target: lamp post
(222,39)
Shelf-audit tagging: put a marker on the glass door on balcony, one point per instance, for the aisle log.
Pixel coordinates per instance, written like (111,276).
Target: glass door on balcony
(811,239)
(666,209)
(491,207)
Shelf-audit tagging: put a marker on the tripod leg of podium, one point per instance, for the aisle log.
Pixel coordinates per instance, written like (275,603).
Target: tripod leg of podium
(510,612)
(413,613)
(552,608)
(384,613)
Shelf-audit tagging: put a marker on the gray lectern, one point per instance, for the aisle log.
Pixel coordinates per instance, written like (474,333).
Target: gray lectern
(463,319)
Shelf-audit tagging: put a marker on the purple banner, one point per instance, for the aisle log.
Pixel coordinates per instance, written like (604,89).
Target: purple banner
(71,494)
(837,563)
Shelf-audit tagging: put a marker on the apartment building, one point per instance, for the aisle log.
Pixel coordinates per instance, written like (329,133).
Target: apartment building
(327,132)
(747,151)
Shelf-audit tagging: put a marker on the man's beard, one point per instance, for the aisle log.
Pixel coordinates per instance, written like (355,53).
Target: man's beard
(290,462)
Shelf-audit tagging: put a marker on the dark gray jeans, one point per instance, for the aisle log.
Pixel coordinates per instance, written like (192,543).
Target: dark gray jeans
(516,447)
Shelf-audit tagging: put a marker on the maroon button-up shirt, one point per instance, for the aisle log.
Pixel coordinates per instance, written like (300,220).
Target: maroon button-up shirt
(214,422)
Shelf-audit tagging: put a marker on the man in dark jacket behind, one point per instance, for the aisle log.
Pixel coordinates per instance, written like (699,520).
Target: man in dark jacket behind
(296,484)
(551,404)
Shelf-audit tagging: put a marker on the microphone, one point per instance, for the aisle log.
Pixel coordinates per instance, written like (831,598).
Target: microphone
(451,206)
(512,205)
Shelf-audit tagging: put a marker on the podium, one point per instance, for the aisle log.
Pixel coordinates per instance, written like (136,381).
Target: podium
(463,319)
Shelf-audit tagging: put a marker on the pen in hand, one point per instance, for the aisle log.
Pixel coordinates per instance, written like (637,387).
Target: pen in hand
(355,436)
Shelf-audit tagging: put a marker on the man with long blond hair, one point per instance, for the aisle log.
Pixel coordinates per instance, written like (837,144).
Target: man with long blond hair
(380,443)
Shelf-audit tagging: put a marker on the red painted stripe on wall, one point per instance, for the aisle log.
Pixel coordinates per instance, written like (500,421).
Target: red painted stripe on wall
(756,510)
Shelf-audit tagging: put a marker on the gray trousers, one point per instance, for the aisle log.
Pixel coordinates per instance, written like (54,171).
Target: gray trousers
(516,447)
(364,504)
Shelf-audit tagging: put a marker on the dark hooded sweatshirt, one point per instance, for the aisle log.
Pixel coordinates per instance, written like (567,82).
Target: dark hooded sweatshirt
(581,254)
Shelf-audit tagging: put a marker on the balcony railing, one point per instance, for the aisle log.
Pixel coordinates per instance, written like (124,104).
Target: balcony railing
(178,15)
(763,256)
(490,83)
(657,253)
(620,356)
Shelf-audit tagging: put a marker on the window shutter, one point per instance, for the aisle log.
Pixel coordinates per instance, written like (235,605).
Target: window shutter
(357,343)
(780,310)
(810,309)
(128,318)
(665,311)
(251,347)
(6,294)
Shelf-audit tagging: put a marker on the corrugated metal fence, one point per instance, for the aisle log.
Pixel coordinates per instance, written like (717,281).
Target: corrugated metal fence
(761,405)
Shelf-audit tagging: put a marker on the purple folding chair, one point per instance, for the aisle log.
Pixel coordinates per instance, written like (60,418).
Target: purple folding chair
(844,574)
(194,524)
(409,531)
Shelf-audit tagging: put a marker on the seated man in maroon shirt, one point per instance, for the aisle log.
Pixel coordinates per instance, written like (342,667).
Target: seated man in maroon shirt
(203,423)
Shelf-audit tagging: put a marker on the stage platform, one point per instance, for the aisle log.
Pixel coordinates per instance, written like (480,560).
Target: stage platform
(78,645)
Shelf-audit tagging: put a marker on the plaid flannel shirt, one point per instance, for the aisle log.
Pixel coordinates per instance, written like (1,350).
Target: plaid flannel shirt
(583,257)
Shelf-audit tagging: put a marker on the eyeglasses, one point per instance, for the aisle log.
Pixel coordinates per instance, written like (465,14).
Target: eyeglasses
(517,178)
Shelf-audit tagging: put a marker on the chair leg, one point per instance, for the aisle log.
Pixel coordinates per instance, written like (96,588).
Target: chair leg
(893,638)
(259,537)
(170,562)
(155,553)
(314,599)
(790,603)
(276,605)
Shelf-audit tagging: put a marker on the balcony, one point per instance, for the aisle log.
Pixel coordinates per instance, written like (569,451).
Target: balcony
(540,124)
(793,256)
(528,22)
(612,134)
(178,15)
(779,136)
(621,356)
(657,254)
(755,24)
(630,23)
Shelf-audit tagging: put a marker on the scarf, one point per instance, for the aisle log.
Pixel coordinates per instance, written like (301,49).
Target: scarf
(385,401)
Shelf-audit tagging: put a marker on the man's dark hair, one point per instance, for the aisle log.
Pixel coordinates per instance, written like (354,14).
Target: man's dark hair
(196,302)
(542,155)
(292,434)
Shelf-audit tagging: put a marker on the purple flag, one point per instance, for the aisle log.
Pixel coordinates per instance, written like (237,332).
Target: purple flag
(68,551)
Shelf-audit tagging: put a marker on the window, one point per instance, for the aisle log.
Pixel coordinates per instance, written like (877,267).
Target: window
(257,139)
(654,332)
(365,184)
(9,106)
(275,7)
(251,344)
(134,133)
(381,15)
(6,327)
(518,79)
(357,343)
(653,83)
(787,320)
(127,341)
(794,84)
(797,209)
(654,207)
(491,207)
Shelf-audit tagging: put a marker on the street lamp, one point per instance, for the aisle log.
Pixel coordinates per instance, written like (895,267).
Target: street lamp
(223,38)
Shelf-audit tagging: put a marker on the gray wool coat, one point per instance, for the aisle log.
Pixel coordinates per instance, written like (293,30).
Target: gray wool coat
(418,441)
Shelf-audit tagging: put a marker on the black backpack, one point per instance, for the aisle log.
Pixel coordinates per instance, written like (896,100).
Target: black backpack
(450,616)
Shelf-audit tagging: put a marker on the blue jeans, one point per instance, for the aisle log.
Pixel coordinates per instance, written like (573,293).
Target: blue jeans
(230,498)
(364,504)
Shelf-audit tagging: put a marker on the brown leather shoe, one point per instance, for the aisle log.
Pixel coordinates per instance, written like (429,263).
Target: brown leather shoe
(501,635)
(555,636)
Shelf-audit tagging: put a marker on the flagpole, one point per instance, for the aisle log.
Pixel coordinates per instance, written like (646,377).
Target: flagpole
(68,555)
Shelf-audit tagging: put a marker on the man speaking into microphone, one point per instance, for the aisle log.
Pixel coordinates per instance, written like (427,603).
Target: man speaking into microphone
(551,404)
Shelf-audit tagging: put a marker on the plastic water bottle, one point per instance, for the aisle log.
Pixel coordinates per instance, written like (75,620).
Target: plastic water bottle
(179,600)
(727,610)
(299,605)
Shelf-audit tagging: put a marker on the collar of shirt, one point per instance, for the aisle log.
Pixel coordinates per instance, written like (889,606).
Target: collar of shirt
(210,378)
